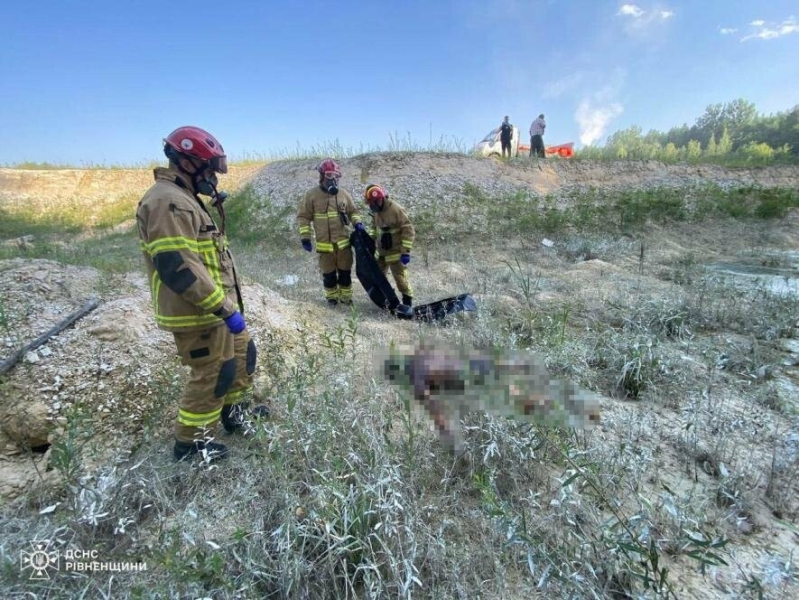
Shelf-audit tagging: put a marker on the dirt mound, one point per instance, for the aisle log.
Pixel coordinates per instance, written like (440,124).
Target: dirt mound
(650,173)
(421,180)
(113,361)
(415,179)
(42,190)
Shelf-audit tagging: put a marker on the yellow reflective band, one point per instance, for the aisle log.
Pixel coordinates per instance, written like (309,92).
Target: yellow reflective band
(214,298)
(155,284)
(305,229)
(198,419)
(211,259)
(407,244)
(326,216)
(187,321)
(237,396)
(324,247)
(177,243)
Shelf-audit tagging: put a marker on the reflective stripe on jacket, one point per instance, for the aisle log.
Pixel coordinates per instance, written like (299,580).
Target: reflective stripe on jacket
(189,266)
(320,210)
(392,220)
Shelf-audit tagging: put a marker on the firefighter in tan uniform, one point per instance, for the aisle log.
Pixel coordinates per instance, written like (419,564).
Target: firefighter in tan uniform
(329,210)
(195,291)
(393,233)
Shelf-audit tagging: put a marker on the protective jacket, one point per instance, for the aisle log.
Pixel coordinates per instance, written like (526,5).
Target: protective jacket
(190,268)
(330,216)
(392,231)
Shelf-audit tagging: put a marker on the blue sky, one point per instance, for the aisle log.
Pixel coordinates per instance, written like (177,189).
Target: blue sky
(88,82)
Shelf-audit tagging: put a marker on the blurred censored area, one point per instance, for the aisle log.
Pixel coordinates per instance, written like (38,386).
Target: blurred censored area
(450,381)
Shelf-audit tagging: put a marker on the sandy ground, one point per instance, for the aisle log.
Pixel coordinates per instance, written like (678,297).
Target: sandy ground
(111,358)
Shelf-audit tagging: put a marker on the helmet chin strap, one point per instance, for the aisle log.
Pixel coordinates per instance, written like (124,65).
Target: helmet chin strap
(218,199)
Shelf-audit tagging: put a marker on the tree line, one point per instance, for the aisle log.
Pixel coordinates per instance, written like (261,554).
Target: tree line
(726,133)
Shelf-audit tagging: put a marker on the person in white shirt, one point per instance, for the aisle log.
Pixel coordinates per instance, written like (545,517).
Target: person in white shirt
(537,137)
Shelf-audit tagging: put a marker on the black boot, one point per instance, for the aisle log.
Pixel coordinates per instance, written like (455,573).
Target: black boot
(208,450)
(235,416)
(407,300)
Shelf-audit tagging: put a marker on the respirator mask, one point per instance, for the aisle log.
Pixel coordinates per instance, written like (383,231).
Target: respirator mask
(330,182)
(206,184)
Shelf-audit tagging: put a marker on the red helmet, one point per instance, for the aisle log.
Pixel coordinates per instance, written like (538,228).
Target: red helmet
(198,143)
(374,193)
(329,168)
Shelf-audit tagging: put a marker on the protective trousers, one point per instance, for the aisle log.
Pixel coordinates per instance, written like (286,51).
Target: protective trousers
(336,270)
(400,273)
(221,372)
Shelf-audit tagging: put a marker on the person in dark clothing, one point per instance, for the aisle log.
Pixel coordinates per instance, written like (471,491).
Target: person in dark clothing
(505,135)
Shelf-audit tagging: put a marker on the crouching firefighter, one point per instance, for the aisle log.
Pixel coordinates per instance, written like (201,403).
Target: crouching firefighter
(195,291)
(393,233)
(329,211)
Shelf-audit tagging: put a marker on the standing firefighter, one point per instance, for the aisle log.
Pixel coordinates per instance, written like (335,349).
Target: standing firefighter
(393,234)
(195,291)
(330,210)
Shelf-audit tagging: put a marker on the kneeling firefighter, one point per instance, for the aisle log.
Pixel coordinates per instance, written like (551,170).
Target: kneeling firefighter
(196,293)
(393,233)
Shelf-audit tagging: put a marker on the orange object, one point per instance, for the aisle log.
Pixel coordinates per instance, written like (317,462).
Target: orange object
(561,150)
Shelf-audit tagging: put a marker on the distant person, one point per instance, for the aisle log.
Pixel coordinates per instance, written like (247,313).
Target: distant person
(329,211)
(505,135)
(393,233)
(537,137)
(195,291)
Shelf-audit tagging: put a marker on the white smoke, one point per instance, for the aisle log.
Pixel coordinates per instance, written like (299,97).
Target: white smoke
(593,115)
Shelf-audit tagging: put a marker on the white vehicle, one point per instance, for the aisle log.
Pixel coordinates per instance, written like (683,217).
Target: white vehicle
(491,146)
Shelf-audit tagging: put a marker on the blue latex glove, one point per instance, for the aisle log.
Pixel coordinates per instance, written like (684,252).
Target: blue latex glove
(306,245)
(360,227)
(405,259)
(235,323)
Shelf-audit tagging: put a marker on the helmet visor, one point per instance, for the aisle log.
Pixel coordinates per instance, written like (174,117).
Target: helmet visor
(331,174)
(219,164)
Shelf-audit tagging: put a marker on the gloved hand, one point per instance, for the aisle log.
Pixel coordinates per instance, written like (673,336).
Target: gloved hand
(306,245)
(235,323)
(360,227)
(405,259)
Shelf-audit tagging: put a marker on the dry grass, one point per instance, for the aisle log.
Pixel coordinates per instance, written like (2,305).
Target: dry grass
(689,488)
